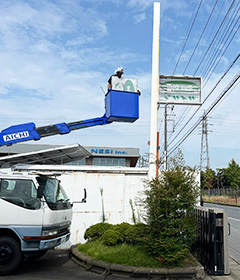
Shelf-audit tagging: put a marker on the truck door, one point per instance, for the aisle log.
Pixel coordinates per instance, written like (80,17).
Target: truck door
(18,196)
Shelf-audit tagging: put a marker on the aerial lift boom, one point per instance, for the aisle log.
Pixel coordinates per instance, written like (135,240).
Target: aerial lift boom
(120,106)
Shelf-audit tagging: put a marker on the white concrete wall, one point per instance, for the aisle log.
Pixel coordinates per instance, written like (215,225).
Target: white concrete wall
(119,185)
(118,189)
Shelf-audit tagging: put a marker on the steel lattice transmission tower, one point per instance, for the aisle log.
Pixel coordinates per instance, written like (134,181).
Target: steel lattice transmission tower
(204,162)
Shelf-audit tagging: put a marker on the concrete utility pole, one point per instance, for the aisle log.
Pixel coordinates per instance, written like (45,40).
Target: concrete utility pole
(155,90)
(166,120)
(165,139)
(204,144)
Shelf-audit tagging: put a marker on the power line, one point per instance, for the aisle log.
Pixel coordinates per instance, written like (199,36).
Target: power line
(231,84)
(232,64)
(190,30)
(221,42)
(204,56)
(222,54)
(186,110)
(200,38)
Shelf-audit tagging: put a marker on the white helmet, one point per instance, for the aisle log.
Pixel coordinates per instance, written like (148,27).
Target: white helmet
(119,69)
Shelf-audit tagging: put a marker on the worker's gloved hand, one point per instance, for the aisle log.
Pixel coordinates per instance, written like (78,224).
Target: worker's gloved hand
(139,91)
(109,89)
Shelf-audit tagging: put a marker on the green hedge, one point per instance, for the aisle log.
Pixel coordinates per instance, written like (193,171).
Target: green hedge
(96,231)
(117,234)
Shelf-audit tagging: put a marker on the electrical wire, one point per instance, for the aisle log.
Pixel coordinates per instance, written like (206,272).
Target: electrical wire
(185,111)
(222,54)
(200,38)
(229,68)
(209,47)
(207,95)
(225,36)
(190,30)
(209,110)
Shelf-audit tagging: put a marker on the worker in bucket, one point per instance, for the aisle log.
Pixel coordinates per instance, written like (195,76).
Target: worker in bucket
(118,73)
(120,85)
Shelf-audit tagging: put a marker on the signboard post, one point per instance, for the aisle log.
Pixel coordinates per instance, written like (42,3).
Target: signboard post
(154,91)
(182,90)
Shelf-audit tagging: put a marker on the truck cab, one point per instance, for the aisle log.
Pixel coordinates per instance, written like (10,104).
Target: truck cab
(35,216)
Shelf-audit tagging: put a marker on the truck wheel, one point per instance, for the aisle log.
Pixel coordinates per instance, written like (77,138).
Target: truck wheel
(10,255)
(33,255)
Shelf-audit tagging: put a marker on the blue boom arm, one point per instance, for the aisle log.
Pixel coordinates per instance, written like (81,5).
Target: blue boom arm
(28,131)
(121,106)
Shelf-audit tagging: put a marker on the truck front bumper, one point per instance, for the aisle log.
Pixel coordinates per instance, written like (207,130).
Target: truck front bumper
(50,243)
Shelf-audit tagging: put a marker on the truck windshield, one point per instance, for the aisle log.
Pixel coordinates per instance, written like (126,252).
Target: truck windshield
(54,194)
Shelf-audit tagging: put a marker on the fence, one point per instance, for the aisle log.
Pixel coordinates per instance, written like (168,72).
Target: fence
(211,243)
(232,192)
(226,193)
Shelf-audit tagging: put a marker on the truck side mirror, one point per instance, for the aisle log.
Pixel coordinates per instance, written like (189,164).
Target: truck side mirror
(84,200)
(85,196)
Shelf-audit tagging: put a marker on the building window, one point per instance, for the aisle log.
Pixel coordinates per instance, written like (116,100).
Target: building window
(108,161)
(121,162)
(96,161)
(77,162)
(102,162)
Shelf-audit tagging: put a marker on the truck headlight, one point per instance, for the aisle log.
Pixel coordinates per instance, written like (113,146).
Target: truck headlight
(49,233)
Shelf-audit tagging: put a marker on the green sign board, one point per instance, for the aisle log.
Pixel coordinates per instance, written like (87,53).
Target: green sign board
(124,84)
(180,90)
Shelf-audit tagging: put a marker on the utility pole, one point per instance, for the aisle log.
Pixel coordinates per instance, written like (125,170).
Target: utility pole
(166,120)
(165,138)
(158,148)
(204,161)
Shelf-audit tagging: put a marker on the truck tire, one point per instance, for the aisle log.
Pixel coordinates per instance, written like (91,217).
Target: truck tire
(33,255)
(10,255)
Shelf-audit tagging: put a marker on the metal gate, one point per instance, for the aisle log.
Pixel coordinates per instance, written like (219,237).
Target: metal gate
(211,243)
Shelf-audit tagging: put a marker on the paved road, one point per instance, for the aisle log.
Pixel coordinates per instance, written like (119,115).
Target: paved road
(53,265)
(234,220)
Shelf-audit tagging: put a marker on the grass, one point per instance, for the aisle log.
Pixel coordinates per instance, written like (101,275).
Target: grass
(125,254)
(221,199)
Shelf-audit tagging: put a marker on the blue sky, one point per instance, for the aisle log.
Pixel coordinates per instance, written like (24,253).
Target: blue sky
(56,55)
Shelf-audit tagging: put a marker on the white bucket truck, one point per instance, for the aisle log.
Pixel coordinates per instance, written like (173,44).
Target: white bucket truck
(35,216)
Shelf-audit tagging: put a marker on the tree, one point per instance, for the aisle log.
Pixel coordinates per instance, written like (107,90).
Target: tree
(232,174)
(220,178)
(169,202)
(208,178)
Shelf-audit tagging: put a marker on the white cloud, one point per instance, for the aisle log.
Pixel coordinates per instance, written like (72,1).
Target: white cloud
(46,21)
(140,4)
(139,17)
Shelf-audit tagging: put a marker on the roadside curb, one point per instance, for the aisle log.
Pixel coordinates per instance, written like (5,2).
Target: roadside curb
(105,268)
(223,204)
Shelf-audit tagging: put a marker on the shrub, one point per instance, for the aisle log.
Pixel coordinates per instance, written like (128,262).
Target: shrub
(112,237)
(96,231)
(168,250)
(137,234)
(122,229)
